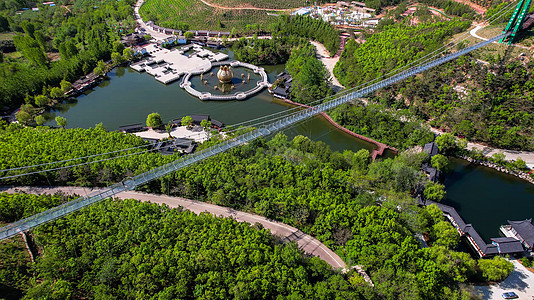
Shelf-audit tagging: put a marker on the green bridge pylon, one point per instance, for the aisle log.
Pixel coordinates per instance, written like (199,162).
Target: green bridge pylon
(516,21)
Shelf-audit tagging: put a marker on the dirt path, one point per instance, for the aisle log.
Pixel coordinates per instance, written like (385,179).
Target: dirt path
(246,7)
(329,62)
(288,233)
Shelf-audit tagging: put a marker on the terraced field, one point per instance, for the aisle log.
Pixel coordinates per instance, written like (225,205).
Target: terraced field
(193,14)
(272,4)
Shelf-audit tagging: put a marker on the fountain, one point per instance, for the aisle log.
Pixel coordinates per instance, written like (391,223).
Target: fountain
(225,74)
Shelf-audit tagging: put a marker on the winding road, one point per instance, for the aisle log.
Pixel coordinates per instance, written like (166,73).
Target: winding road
(288,233)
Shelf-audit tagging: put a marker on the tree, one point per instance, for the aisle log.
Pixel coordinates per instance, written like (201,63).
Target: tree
(65,86)
(187,121)
(499,158)
(189,35)
(495,269)
(116,58)
(42,100)
(62,122)
(168,129)
(445,235)
(128,54)
(153,120)
(446,143)
(57,93)
(23,116)
(434,191)
(520,163)
(118,47)
(40,120)
(440,162)
(205,124)
(100,68)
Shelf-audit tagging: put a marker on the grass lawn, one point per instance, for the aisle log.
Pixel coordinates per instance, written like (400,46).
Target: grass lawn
(193,14)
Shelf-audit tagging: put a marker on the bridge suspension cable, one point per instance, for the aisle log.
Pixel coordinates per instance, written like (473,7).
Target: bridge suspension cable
(265,130)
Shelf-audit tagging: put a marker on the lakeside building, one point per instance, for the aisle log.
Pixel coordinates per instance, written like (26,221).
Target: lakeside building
(523,231)
(434,174)
(282,86)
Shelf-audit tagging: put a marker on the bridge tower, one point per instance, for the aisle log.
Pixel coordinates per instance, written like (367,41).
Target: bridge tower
(516,22)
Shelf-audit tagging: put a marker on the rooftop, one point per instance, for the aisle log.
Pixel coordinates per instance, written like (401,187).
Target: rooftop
(431,148)
(525,229)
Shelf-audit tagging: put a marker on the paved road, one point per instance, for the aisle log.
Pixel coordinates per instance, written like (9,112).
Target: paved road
(521,281)
(474,33)
(288,233)
(156,35)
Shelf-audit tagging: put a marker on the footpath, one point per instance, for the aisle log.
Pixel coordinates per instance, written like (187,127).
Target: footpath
(287,233)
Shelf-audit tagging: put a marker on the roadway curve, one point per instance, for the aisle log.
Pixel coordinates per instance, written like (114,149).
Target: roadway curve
(474,33)
(288,233)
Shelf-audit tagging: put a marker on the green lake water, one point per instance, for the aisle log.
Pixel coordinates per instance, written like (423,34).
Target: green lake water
(127,97)
(487,198)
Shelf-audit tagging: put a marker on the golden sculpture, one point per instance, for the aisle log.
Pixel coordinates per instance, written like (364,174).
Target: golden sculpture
(225,74)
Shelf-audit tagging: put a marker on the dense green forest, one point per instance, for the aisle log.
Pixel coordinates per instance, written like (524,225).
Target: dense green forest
(128,249)
(30,146)
(394,47)
(489,101)
(385,126)
(81,34)
(266,51)
(305,26)
(310,77)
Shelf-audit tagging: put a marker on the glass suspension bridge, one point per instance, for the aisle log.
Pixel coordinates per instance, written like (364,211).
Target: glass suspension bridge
(265,129)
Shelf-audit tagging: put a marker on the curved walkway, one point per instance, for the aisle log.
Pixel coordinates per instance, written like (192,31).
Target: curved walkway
(474,34)
(288,233)
(142,24)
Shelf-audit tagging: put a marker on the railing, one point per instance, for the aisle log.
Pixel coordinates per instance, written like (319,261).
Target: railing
(132,183)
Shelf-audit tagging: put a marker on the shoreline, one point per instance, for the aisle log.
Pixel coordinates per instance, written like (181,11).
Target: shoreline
(521,175)
(381,147)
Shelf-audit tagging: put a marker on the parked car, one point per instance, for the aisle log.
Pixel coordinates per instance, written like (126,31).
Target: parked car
(510,295)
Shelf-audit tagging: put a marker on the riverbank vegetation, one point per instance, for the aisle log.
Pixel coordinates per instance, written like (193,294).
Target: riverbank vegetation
(266,51)
(392,128)
(30,146)
(60,43)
